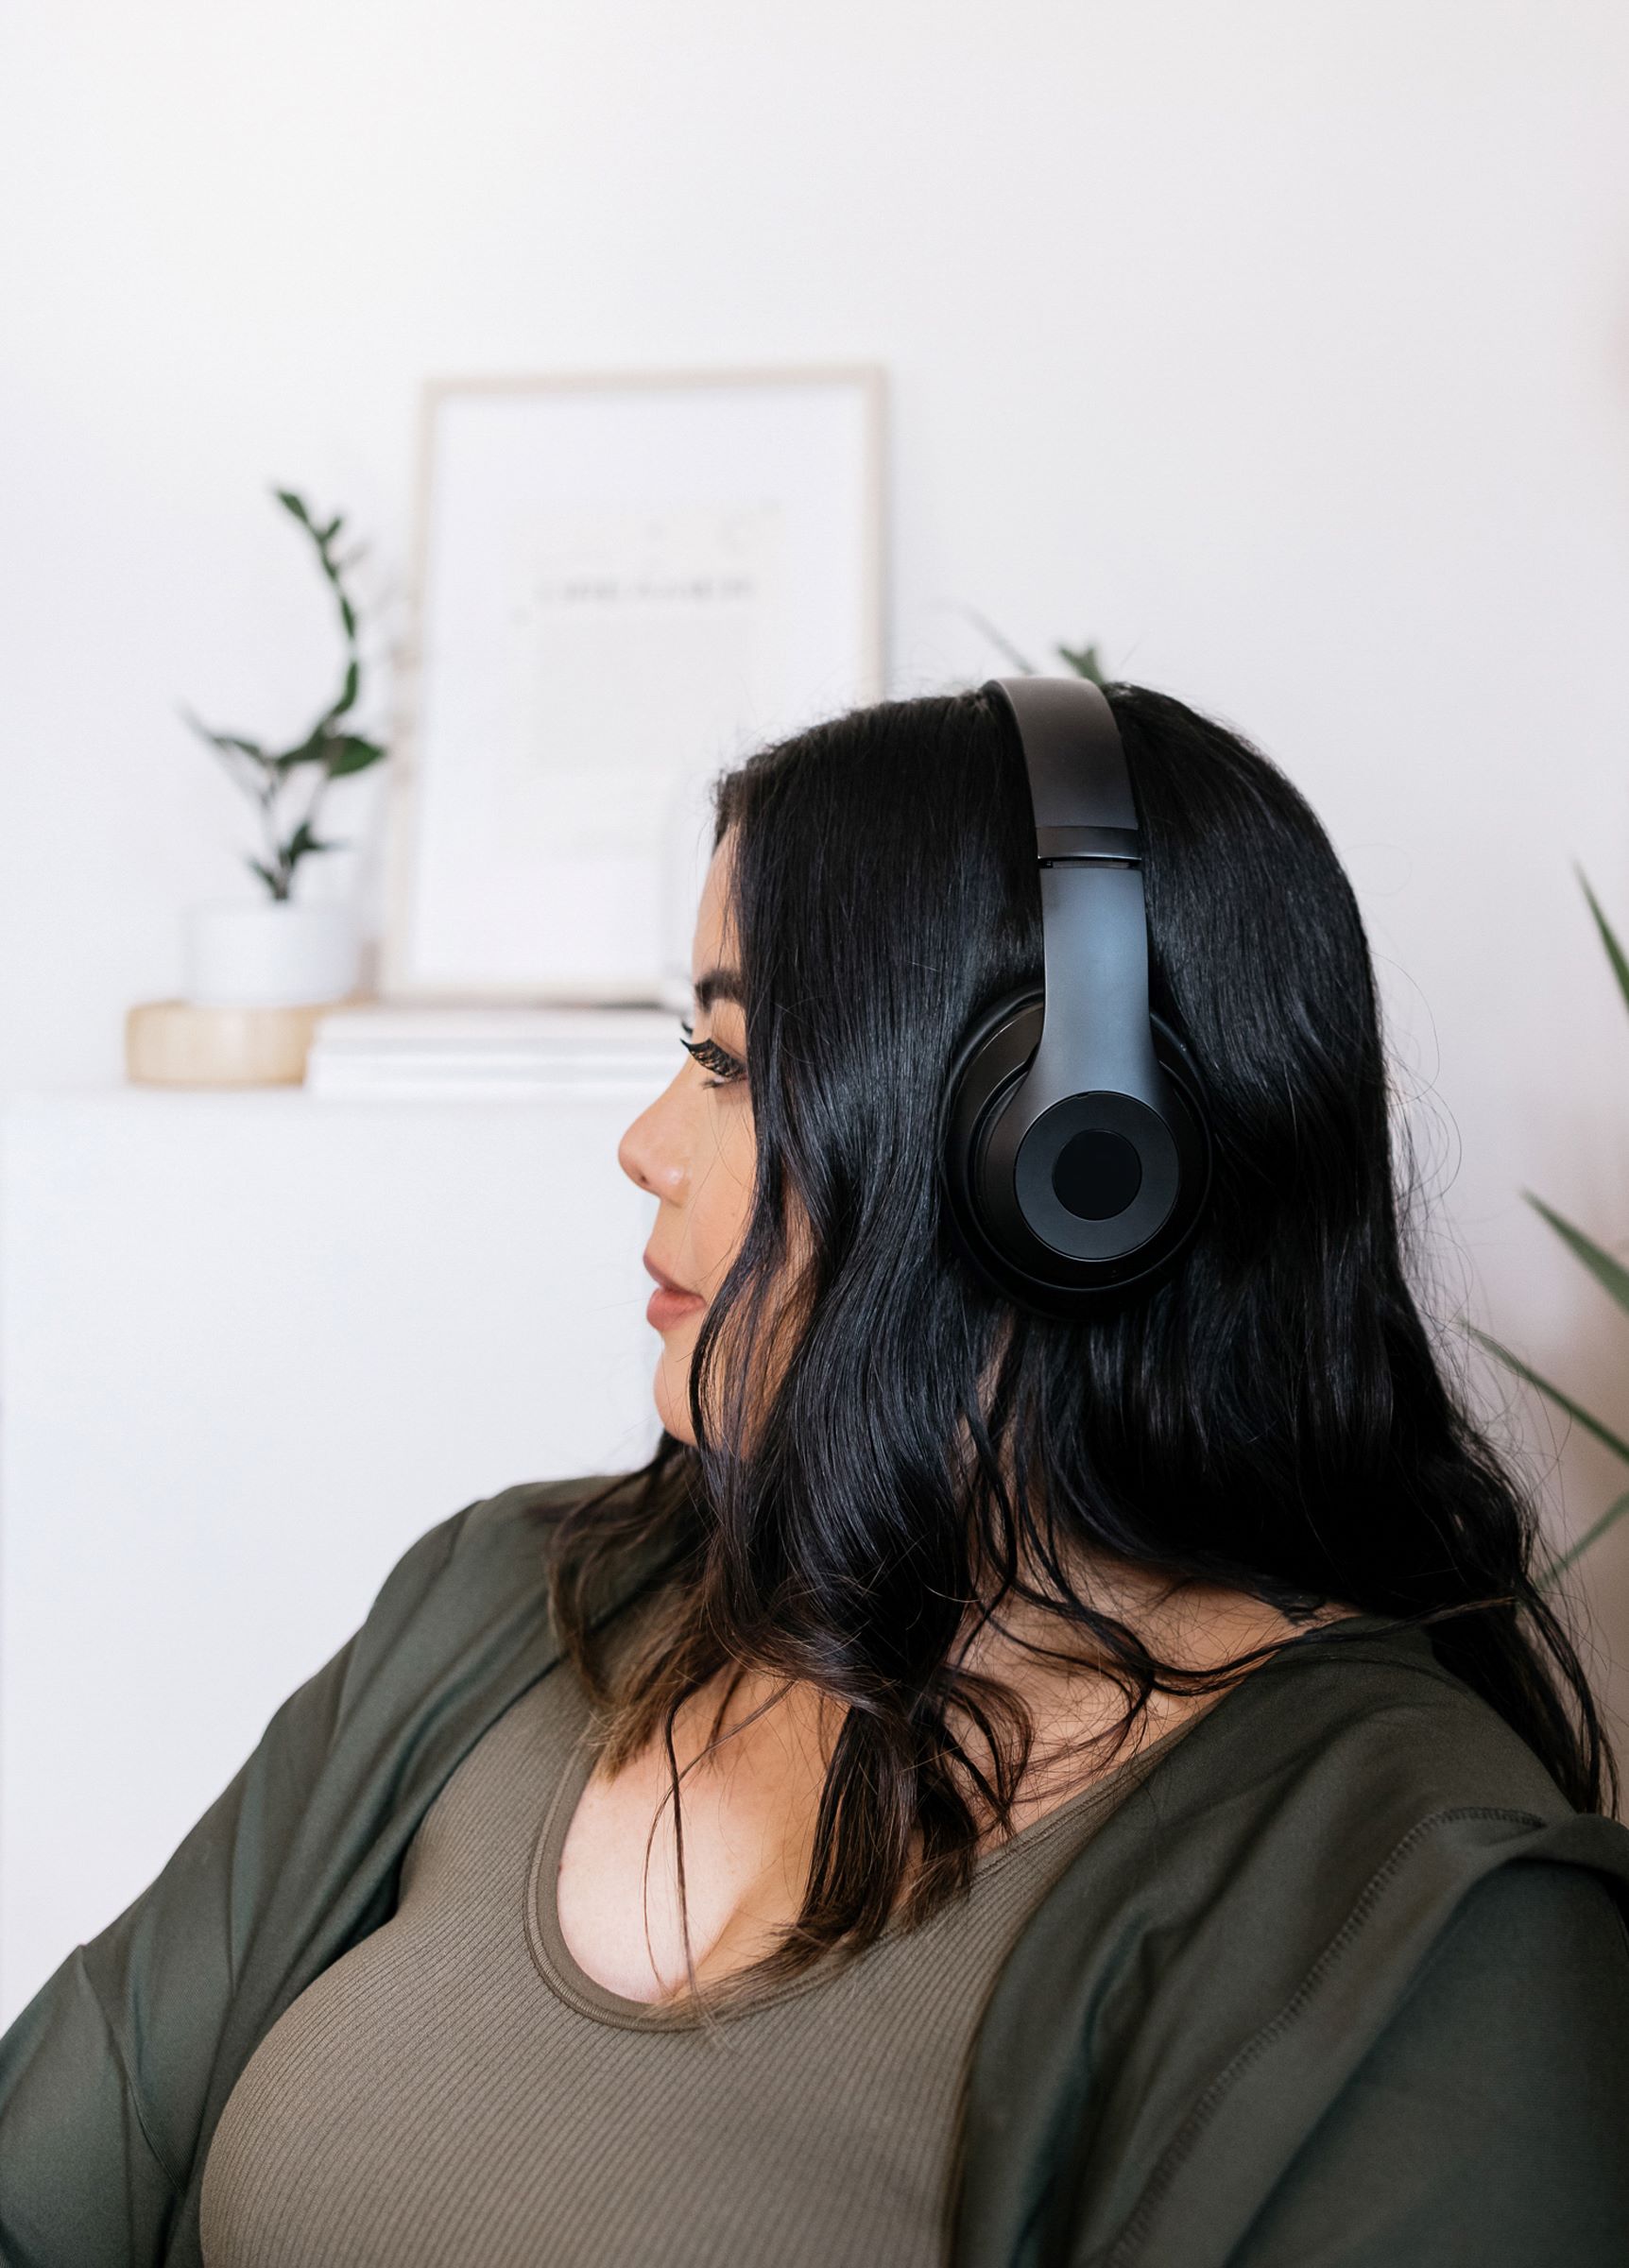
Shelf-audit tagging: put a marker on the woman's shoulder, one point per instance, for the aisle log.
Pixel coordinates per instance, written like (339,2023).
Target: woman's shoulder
(1362,1711)
(1484,2121)
(1355,1784)
(460,1613)
(514,1519)
(494,1546)
(1204,1982)
(1345,1794)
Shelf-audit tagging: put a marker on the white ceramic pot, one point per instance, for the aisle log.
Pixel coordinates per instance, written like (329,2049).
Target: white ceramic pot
(278,953)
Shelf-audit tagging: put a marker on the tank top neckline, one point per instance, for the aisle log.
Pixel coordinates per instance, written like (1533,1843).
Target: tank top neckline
(739,1996)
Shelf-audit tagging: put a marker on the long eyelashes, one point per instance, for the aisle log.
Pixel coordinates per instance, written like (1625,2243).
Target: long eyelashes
(713,1058)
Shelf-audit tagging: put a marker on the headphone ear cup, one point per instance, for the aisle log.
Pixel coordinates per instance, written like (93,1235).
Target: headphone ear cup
(989,1224)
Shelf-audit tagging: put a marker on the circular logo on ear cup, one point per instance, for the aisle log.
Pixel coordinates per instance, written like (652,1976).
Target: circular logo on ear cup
(1097,1175)
(1003,1207)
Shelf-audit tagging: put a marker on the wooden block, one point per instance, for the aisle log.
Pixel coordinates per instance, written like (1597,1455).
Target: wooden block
(174,1043)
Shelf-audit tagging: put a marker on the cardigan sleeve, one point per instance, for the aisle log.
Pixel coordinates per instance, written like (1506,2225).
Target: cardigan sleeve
(1490,2122)
(105,2074)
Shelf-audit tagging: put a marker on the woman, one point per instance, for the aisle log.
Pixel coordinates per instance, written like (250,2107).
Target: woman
(991,1788)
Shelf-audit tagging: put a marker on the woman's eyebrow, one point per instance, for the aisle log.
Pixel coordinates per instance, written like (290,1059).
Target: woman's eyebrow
(719,984)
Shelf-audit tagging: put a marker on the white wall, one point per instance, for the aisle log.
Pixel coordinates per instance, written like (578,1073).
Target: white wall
(1283,348)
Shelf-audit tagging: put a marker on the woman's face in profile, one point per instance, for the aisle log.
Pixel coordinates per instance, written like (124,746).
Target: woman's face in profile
(694,1150)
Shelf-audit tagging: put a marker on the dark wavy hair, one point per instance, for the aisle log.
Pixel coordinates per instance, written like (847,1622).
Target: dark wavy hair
(902,1452)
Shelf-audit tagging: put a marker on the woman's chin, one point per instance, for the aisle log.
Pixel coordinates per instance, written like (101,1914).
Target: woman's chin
(671,1396)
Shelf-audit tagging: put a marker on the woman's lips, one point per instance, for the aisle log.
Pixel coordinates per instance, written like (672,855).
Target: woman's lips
(670,1303)
(663,1308)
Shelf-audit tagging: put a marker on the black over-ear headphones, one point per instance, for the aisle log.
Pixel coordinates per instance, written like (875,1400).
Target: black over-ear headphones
(1073,1139)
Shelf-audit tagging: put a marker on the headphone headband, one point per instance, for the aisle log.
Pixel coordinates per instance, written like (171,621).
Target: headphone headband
(1077,776)
(1074,1147)
(1095,1034)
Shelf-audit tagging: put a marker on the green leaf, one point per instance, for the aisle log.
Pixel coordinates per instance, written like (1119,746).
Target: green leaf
(348,694)
(224,740)
(291,503)
(1083,661)
(1609,1518)
(352,753)
(346,613)
(1604,1433)
(310,751)
(265,875)
(1614,951)
(332,528)
(1610,1272)
(303,840)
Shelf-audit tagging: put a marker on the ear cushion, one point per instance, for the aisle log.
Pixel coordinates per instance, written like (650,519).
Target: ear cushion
(1011,1260)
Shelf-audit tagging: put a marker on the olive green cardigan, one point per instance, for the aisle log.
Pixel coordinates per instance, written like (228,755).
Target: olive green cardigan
(1231,2032)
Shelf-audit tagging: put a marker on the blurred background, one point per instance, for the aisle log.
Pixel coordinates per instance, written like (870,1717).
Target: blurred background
(1279,352)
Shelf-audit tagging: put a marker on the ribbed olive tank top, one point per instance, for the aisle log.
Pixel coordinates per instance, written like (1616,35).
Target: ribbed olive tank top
(456,2093)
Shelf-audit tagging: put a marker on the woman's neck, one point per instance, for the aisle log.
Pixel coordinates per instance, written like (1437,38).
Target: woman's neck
(1060,1671)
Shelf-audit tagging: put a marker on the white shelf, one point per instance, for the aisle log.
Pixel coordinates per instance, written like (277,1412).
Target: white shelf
(251,1344)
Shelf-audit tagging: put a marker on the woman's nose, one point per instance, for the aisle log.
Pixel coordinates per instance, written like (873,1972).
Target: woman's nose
(650,1155)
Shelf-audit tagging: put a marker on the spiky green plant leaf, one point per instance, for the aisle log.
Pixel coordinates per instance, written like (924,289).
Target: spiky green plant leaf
(1604,1433)
(1614,951)
(996,638)
(1606,1271)
(1608,1519)
(1083,661)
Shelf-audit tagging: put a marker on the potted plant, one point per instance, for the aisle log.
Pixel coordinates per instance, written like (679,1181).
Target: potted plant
(280,951)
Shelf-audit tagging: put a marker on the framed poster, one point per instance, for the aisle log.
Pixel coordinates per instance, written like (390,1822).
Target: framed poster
(625,583)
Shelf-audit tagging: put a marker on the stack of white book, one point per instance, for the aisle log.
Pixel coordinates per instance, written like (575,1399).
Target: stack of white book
(486,1054)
